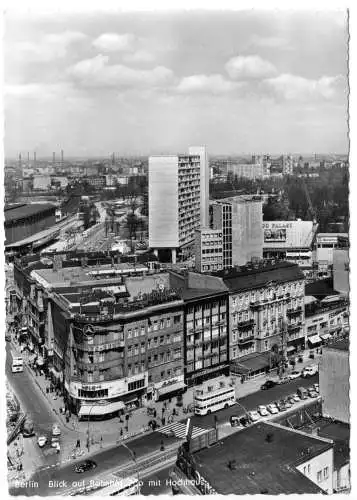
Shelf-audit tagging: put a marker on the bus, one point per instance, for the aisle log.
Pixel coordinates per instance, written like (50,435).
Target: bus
(127,486)
(209,398)
(17,364)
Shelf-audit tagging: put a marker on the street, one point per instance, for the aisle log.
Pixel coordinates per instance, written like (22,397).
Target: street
(110,459)
(156,483)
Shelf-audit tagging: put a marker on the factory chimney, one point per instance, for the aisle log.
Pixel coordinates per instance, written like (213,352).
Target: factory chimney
(20,160)
(62,157)
(53,158)
(34,158)
(28,157)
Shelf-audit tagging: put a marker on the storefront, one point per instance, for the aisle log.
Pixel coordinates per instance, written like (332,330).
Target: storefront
(253,365)
(169,388)
(314,341)
(99,410)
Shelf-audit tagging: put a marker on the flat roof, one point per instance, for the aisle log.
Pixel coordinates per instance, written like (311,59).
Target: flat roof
(340,345)
(46,233)
(262,465)
(25,211)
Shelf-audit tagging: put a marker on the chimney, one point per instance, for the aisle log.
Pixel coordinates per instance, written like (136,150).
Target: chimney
(34,158)
(20,160)
(53,157)
(62,157)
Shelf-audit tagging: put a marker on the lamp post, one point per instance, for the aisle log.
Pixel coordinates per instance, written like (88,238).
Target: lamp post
(133,456)
(88,440)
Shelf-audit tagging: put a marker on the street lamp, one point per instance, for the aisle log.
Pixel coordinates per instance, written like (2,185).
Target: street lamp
(133,456)
(88,440)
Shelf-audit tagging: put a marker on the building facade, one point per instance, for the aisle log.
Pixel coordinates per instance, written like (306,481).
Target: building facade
(22,221)
(240,219)
(178,200)
(208,250)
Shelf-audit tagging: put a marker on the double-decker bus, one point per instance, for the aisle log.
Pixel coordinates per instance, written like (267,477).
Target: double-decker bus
(210,398)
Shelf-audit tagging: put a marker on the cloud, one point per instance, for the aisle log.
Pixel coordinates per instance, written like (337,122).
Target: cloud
(112,42)
(140,55)
(50,47)
(249,68)
(270,42)
(96,72)
(293,87)
(214,84)
(38,90)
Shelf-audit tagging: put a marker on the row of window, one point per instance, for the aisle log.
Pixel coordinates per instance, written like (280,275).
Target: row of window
(217,249)
(154,326)
(165,356)
(217,402)
(156,341)
(168,373)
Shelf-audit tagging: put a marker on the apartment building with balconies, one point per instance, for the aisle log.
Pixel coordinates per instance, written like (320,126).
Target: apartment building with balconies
(178,200)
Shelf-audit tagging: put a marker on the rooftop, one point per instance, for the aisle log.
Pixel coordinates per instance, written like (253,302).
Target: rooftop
(265,458)
(260,275)
(321,288)
(17,212)
(339,345)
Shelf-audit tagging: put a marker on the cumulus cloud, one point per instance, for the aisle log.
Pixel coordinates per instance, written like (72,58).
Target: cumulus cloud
(293,87)
(38,90)
(97,72)
(249,68)
(113,42)
(140,55)
(50,47)
(214,84)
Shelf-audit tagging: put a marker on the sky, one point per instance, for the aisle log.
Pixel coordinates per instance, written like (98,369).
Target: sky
(140,83)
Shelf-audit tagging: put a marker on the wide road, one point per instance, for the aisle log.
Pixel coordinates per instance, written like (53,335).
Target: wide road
(36,407)
(252,401)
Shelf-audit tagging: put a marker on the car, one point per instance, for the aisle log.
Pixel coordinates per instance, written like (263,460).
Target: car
(309,371)
(272,409)
(316,387)
(268,385)
(291,400)
(41,441)
(56,430)
(245,421)
(287,403)
(294,374)
(284,380)
(311,392)
(262,410)
(235,421)
(281,405)
(296,397)
(254,415)
(85,466)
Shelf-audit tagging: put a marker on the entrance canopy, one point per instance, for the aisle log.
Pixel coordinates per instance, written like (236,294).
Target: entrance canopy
(170,388)
(314,339)
(97,409)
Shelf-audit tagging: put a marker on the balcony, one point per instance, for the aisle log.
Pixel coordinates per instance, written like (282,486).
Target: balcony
(246,325)
(244,340)
(294,312)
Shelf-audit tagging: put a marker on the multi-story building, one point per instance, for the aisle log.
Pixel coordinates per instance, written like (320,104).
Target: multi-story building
(325,245)
(240,218)
(325,319)
(206,340)
(23,220)
(292,241)
(208,250)
(341,270)
(41,182)
(178,200)
(96,181)
(251,171)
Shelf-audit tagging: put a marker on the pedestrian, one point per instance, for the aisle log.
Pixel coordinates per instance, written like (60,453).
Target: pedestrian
(78,444)
(101,441)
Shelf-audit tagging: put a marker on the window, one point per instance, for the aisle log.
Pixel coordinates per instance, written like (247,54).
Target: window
(132,386)
(162,356)
(155,357)
(149,359)
(142,330)
(136,332)
(142,348)
(162,339)
(142,366)
(177,319)
(305,471)
(129,350)
(319,476)
(308,468)
(168,322)
(325,472)
(129,369)
(162,374)
(130,333)
(162,324)
(155,326)
(136,349)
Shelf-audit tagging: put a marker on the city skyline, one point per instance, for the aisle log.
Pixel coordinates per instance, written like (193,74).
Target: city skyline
(155,83)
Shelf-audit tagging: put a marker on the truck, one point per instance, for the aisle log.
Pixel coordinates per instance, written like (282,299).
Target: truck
(310,371)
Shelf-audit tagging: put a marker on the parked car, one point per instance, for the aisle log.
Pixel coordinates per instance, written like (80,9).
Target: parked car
(41,441)
(272,409)
(284,380)
(310,371)
(302,392)
(295,397)
(291,399)
(268,385)
(281,405)
(56,430)
(235,421)
(316,387)
(85,466)
(287,403)
(254,415)
(262,410)
(294,374)
(245,421)
(312,393)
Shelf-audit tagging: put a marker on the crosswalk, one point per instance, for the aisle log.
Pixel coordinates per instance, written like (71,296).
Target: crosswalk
(179,430)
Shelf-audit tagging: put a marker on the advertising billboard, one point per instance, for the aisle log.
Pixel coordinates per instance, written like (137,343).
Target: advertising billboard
(274,234)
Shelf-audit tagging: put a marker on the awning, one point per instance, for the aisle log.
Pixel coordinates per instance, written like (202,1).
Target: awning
(100,409)
(314,339)
(171,388)
(291,348)
(251,363)
(325,336)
